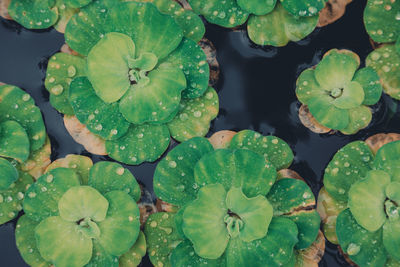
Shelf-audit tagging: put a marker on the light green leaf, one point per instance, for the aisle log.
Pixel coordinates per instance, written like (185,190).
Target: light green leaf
(387,159)
(257,7)
(391,238)
(69,247)
(121,227)
(108,176)
(100,257)
(359,118)
(275,150)
(146,142)
(174,176)
(203,222)
(307,86)
(236,168)
(77,3)
(352,96)
(325,112)
(194,116)
(134,255)
(255,213)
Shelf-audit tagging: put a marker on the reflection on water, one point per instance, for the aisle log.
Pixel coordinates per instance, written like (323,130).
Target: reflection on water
(256,91)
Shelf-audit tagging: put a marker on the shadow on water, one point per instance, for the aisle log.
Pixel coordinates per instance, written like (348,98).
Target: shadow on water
(256,90)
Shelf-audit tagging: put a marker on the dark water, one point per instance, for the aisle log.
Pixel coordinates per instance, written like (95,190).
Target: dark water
(256,90)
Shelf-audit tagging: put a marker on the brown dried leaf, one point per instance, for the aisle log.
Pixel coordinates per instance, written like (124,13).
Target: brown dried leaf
(376,141)
(38,160)
(310,122)
(163,206)
(66,49)
(311,256)
(92,143)
(4,9)
(333,11)
(288,173)
(221,139)
(211,53)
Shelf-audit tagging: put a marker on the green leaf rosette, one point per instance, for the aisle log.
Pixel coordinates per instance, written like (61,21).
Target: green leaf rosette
(382,22)
(338,93)
(22,138)
(232,210)
(359,203)
(269,22)
(80,214)
(138,80)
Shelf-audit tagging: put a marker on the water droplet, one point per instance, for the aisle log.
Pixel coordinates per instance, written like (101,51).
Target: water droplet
(172,164)
(57,90)
(120,171)
(71,71)
(353,249)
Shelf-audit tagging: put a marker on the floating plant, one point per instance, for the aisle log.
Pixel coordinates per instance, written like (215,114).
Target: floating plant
(136,81)
(229,205)
(269,22)
(336,94)
(24,150)
(382,22)
(359,201)
(80,214)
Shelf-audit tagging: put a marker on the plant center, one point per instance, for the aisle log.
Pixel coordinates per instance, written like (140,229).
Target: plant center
(391,209)
(140,67)
(233,224)
(336,92)
(89,228)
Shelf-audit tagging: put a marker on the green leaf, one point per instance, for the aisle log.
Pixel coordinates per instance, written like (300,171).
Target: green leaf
(42,197)
(134,255)
(77,3)
(100,118)
(288,195)
(381,20)
(257,7)
(369,80)
(108,176)
(161,237)
(14,141)
(391,238)
(307,86)
(256,213)
(69,246)
(18,106)
(308,224)
(33,14)
(223,13)
(11,198)
(80,164)
(8,174)
(107,66)
(386,62)
(203,222)
(81,202)
(192,60)
(275,150)
(26,242)
(304,7)
(238,168)
(350,164)
(121,227)
(387,159)
(325,112)
(274,250)
(194,116)
(352,96)
(174,176)
(100,257)
(141,143)
(365,248)
(158,99)
(150,30)
(279,27)
(359,118)
(184,255)
(86,28)
(61,70)
(392,191)
(336,69)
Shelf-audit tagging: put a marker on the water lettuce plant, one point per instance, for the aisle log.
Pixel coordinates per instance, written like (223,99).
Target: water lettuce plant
(269,22)
(359,203)
(337,93)
(137,79)
(382,22)
(80,214)
(230,208)
(22,139)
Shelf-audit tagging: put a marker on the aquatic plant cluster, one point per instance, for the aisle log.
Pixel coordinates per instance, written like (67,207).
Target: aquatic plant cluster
(135,73)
